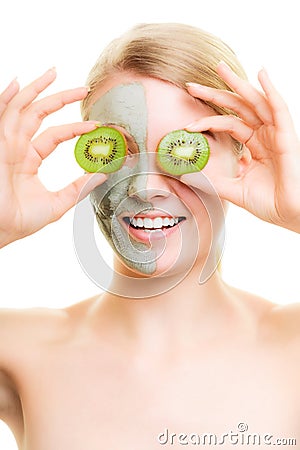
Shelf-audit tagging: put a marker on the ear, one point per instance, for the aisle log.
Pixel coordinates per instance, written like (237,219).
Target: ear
(244,161)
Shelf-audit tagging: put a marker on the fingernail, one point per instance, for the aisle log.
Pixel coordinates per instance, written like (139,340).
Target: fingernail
(88,88)
(192,126)
(94,122)
(197,86)
(189,84)
(51,70)
(264,70)
(90,122)
(15,80)
(224,64)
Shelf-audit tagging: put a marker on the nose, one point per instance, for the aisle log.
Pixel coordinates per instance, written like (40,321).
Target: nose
(150,183)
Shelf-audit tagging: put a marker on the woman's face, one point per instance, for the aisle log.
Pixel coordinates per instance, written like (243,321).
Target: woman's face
(155,223)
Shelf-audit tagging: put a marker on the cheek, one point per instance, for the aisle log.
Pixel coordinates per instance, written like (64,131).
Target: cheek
(194,201)
(223,162)
(207,210)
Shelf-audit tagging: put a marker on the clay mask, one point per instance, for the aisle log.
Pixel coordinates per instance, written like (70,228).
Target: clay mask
(125,106)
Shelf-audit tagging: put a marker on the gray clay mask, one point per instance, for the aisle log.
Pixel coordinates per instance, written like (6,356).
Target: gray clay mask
(125,106)
(125,190)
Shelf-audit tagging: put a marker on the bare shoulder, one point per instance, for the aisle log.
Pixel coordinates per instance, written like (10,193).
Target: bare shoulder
(285,321)
(26,335)
(24,329)
(281,331)
(279,325)
(19,327)
(275,321)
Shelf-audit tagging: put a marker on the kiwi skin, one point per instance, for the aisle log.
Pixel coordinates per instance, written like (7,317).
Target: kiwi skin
(182,141)
(112,140)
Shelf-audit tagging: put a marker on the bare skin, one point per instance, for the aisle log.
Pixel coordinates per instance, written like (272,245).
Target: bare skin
(114,372)
(83,380)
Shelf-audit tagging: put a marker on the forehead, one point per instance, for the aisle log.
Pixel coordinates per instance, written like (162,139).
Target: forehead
(146,107)
(160,96)
(123,105)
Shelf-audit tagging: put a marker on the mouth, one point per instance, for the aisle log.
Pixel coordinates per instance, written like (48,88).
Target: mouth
(152,224)
(141,226)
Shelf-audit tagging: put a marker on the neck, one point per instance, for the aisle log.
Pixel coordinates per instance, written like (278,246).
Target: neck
(179,317)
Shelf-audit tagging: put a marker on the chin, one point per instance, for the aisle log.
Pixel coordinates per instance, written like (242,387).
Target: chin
(170,257)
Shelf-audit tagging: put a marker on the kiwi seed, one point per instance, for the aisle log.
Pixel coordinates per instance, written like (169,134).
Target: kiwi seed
(182,152)
(101,150)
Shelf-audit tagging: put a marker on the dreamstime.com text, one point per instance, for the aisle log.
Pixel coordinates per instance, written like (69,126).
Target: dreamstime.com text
(238,437)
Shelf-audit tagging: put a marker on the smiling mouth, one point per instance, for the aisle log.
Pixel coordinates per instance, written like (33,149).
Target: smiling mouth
(153,224)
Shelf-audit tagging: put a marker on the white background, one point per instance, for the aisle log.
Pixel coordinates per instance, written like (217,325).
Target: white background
(42,270)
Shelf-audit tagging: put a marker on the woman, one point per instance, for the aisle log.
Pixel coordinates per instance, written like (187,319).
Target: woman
(169,352)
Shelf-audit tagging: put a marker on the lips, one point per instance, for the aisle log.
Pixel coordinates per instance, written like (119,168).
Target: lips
(141,226)
(148,223)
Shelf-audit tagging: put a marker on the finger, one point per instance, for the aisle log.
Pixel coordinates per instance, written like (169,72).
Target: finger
(66,198)
(47,141)
(228,124)
(227,188)
(235,127)
(281,116)
(226,99)
(9,93)
(34,115)
(242,87)
(28,94)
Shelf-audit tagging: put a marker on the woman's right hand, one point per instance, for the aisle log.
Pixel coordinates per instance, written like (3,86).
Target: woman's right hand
(25,204)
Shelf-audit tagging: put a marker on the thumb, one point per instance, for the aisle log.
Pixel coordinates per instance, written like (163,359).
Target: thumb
(227,188)
(76,191)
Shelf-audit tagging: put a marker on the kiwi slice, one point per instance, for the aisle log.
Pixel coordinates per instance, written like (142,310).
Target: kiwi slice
(182,152)
(101,150)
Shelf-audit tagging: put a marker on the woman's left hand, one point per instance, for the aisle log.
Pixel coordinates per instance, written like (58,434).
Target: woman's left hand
(270,186)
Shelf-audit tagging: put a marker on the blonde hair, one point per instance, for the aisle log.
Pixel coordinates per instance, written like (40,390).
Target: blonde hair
(171,52)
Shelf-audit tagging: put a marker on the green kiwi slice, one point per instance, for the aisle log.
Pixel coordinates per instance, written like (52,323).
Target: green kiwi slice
(182,152)
(101,150)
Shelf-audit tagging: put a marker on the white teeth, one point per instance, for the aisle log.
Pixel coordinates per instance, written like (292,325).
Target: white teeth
(157,223)
(140,222)
(148,223)
(166,222)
